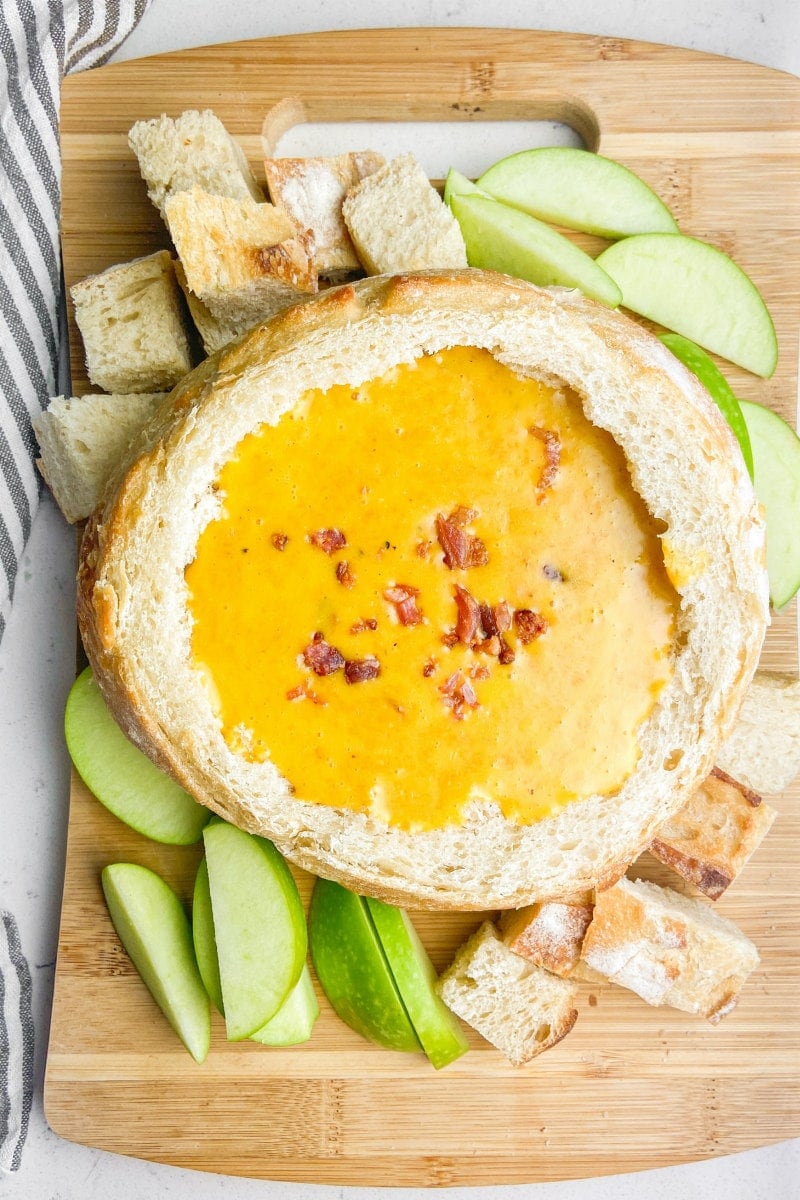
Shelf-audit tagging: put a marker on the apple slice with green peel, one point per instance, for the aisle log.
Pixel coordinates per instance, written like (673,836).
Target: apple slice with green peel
(776,468)
(352,969)
(578,190)
(717,386)
(437,1028)
(154,929)
(121,776)
(457,184)
(295,1019)
(205,942)
(259,926)
(693,288)
(499,238)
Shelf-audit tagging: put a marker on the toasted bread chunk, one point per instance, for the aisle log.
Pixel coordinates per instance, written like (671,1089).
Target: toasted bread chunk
(668,948)
(82,439)
(243,260)
(518,1007)
(549,933)
(399,222)
(311,192)
(764,749)
(714,834)
(131,319)
(192,150)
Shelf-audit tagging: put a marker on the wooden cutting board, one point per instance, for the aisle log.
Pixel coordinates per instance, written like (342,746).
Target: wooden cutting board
(632,1087)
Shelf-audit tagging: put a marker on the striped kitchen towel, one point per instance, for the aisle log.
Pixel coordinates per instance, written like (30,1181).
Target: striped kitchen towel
(16,1045)
(40,40)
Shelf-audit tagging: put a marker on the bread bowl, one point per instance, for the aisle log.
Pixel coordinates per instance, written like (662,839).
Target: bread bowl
(699,520)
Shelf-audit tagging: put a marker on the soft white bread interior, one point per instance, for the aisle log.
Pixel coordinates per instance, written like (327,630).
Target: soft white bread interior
(214,332)
(191,150)
(763,750)
(311,192)
(244,261)
(518,1007)
(715,833)
(683,462)
(399,222)
(668,948)
(132,321)
(82,440)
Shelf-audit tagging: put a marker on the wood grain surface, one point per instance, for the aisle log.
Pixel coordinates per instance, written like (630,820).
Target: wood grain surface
(632,1087)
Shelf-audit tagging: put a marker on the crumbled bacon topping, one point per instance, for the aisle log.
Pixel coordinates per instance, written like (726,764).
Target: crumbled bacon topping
(430,667)
(479,671)
(404,599)
(469,613)
(495,619)
(304,691)
(344,574)
(450,639)
(422,549)
(329,540)
(364,625)
(552,458)
(461,549)
(279,540)
(530,624)
(358,670)
(321,657)
(458,694)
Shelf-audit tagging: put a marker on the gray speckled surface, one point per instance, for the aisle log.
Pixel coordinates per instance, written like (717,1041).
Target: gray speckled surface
(38,652)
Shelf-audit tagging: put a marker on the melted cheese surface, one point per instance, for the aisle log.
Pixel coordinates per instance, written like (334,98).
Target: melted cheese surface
(379,463)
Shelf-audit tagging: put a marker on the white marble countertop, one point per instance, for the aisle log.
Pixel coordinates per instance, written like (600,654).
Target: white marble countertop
(37,655)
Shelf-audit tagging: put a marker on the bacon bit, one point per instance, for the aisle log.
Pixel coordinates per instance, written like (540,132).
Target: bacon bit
(479,671)
(358,670)
(430,667)
(303,691)
(551,572)
(529,624)
(366,623)
(344,574)
(422,549)
(321,657)
(552,458)
(461,549)
(404,599)
(491,646)
(329,540)
(450,639)
(279,540)
(469,612)
(459,695)
(506,655)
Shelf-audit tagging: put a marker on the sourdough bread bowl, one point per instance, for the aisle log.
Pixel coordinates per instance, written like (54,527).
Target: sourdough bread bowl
(681,462)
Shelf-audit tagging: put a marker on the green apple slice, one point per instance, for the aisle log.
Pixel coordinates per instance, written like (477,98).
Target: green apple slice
(295,1019)
(121,776)
(717,386)
(579,190)
(205,942)
(436,1026)
(692,288)
(259,926)
(499,238)
(776,466)
(352,968)
(154,929)
(457,184)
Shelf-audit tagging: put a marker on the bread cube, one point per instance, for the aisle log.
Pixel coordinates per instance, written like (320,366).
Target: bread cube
(192,150)
(763,751)
(131,319)
(549,933)
(399,222)
(518,1007)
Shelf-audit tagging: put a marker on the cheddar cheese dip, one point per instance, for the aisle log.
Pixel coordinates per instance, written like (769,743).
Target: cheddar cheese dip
(434,587)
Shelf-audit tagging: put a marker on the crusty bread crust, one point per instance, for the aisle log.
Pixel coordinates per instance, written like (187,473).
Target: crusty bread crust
(683,460)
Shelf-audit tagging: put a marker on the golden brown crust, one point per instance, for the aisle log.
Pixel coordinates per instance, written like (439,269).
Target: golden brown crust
(136,547)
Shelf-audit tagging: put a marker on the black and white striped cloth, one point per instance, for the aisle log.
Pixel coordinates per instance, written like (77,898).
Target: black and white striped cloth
(40,40)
